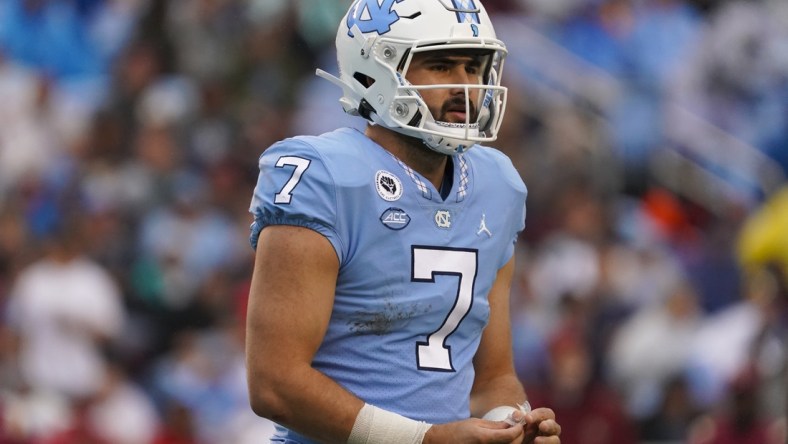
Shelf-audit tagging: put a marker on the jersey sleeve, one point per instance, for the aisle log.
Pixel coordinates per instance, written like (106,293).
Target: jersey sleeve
(294,187)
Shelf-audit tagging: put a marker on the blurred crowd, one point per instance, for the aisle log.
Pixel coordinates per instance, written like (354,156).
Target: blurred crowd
(650,303)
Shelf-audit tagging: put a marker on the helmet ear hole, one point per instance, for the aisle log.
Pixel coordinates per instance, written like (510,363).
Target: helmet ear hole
(364,79)
(403,60)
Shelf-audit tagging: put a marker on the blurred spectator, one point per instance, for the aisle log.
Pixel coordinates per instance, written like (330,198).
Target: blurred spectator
(214,131)
(652,346)
(566,263)
(50,36)
(318,101)
(71,44)
(30,415)
(79,431)
(763,239)
(735,79)
(657,39)
(204,373)
(590,411)
(674,417)
(178,426)
(208,36)
(28,138)
(187,241)
(117,398)
(740,420)
(735,338)
(14,249)
(66,309)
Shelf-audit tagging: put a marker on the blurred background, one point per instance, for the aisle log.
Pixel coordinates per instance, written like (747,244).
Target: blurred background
(650,303)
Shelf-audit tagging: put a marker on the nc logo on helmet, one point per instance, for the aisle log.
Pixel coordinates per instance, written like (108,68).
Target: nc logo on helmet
(372,16)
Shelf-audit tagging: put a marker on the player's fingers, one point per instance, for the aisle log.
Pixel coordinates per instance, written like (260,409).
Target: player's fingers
(549,427)
(547,440)
(496,425)
(499,432)
(518,417)
(511,434)
(540,414)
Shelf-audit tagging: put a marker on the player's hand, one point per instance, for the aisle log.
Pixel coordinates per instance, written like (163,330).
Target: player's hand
(474,431)
(541,427)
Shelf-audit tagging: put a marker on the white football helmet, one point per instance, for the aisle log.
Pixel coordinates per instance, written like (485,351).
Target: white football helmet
(376,42)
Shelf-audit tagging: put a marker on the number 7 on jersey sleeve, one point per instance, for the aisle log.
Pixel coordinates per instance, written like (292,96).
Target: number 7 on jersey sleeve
(285,195)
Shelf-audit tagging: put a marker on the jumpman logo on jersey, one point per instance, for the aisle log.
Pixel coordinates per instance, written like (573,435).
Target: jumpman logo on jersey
(483,227)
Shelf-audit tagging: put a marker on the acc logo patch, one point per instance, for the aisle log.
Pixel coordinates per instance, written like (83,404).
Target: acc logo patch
(388,185)
(395,218)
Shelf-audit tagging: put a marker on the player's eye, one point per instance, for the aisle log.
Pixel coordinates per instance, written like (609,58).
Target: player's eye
(440,67)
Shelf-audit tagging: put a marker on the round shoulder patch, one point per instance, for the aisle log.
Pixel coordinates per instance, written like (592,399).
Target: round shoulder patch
(388,185)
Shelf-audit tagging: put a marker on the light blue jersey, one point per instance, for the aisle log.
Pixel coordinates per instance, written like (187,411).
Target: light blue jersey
(415,270)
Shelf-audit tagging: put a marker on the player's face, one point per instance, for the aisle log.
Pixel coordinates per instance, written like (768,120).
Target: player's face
(448,67)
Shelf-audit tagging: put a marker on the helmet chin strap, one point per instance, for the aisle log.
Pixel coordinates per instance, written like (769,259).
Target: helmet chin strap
(454,138)
(441,143)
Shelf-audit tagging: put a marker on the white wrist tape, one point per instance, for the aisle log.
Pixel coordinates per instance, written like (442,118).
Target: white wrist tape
(378,426)
(504,413)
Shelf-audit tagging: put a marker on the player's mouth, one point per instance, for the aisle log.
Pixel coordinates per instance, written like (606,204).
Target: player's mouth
(454,111)
(455,116)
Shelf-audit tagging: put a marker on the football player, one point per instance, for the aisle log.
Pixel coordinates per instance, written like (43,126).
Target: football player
(378,311)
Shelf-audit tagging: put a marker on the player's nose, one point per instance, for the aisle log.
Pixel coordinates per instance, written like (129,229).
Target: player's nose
(461,76)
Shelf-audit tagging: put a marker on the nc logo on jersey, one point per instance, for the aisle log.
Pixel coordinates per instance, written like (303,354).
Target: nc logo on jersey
(395,218)
(372,16)
(388,185)
(443,219)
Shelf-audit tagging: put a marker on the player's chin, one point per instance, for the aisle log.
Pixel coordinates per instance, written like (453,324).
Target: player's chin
(455,118)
